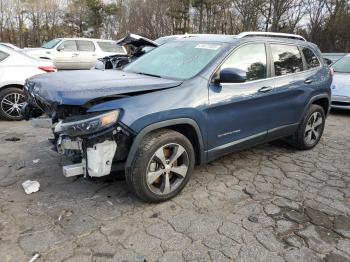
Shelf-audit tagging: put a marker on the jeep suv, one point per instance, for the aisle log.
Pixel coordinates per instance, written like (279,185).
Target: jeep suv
(184,103)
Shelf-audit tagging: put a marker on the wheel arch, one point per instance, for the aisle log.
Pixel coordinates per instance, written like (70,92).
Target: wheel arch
(322,100)
(11,85)
(186,126)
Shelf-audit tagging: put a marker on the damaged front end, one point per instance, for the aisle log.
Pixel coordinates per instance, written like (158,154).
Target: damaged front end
(96,143)
(85,128)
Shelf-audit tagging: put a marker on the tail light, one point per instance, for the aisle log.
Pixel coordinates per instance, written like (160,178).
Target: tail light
(48,69)
(331,71)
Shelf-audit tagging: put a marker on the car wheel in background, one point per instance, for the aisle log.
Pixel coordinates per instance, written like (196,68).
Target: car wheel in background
(311,129)
(162,166)
(11,101)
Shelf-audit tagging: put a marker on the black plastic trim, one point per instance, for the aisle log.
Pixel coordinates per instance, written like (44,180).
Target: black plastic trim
(163,124)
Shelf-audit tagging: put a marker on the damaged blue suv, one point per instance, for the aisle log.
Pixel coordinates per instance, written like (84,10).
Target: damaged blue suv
(184,103)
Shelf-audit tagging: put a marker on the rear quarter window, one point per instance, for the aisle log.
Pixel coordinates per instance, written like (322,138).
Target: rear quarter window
(85,46)
(287,59)
(311,59)
(3,56)
(111,47)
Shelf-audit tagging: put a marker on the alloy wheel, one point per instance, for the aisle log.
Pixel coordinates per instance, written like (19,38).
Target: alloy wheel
(313,128)
(11,104)
(167,169)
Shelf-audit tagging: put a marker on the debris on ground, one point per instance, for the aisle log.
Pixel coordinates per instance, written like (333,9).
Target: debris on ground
(20,164)
(30,186)
(34,257)
(35,161)
(12,139)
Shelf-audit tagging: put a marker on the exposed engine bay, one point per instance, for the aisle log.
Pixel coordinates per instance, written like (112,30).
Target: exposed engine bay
(136,46)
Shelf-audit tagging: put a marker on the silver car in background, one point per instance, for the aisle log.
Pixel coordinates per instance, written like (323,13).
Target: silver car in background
(15,68)
(76,53)
(341,83)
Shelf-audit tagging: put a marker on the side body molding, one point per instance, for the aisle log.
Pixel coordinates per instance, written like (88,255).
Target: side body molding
(164,124)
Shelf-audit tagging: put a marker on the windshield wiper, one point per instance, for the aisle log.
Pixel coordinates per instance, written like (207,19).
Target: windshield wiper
(146,74)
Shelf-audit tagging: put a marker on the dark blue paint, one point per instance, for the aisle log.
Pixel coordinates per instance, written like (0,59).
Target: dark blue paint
(224,113)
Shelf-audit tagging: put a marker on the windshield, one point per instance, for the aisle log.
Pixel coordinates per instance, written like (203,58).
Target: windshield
(178,60)
(342,65)
(51,44)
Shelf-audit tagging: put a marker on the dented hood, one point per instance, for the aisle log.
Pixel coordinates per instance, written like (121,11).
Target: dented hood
(79,87)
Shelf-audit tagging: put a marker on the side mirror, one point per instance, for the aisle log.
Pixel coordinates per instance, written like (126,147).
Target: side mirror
(232,75)
(60,48)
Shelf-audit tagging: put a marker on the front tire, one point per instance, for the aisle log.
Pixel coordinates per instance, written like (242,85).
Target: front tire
(311,129)
(162,166)
(11,101)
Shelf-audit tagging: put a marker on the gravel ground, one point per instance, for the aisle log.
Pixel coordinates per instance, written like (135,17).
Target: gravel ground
(269,203)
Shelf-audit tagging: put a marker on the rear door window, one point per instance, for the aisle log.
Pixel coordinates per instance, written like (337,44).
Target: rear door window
(3,56)
(111,47)
(250,58)
(68,46)
(311,59)
(85,46)
(287,59)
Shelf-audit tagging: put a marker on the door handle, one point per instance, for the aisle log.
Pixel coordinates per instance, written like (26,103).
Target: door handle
(75,54)
(308,81)
(265,89)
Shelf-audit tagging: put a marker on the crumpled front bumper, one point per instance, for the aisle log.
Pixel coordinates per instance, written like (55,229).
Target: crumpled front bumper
(96,159)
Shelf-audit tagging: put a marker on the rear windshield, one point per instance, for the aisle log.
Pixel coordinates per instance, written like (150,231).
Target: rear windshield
(342,65)
(3,55)
(111,47)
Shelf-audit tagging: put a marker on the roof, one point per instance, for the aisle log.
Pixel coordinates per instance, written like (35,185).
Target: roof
(234,39)
(85,38)
(280,37)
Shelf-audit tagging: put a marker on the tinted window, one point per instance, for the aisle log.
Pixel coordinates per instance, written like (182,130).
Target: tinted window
(111,47)
(310,58)
(287,59)
(342,65)
(249,58)
(85,46)
(68,45)
(3,55)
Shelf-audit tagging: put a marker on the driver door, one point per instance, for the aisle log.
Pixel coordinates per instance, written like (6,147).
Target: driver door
(238,113)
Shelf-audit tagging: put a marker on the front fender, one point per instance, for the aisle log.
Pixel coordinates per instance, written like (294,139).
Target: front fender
(164,124)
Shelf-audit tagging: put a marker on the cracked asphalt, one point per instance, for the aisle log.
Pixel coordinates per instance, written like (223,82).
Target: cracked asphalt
(269,203)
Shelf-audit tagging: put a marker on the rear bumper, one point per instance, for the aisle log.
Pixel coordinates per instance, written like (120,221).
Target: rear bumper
(340,102)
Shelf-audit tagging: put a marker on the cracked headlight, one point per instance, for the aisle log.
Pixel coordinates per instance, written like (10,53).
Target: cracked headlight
(87,124)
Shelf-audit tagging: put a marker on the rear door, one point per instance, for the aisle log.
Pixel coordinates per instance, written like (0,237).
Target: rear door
(238,112)
(66,55)
(292,90)
(87,54)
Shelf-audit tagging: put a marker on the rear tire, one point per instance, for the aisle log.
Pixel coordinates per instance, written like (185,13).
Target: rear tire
(162,166)
(11,100)
(311,128)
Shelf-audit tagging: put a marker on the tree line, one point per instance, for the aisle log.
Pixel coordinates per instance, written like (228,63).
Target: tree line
(29,23)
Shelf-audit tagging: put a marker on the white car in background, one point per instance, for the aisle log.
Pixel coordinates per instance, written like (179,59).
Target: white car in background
(341,83)
(76,53)
(12,46)
(15,68)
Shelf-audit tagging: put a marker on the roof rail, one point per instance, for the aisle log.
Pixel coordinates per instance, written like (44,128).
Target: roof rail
(271,34)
